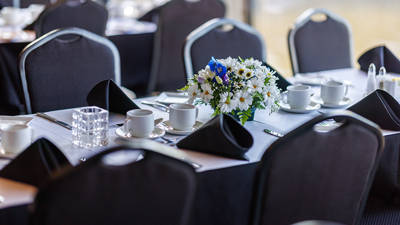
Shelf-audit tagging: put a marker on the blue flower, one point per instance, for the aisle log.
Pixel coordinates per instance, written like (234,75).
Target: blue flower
(217,67)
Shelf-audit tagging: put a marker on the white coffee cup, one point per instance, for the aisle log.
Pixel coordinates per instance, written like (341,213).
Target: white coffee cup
(298,96)
(16,138)
(182,116)
(139,122)
(332,92)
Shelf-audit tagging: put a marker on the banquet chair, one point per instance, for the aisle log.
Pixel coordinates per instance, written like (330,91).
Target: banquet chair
(318,174)
(119,186)
(316,45)
(176,20)
(59,73)
(85,14)
(221,38)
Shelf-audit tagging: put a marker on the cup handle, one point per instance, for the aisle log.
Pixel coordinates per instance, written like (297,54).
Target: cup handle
(125,122)
(346,90)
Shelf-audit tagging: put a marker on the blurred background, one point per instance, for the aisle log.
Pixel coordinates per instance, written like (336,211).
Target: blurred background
(373,22)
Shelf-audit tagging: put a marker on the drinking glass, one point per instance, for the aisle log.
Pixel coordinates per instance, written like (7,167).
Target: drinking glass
(89,127)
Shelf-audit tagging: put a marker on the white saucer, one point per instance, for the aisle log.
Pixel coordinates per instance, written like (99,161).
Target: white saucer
(157,132)
(169,129)
(344,102)
(6,155)
(311,107)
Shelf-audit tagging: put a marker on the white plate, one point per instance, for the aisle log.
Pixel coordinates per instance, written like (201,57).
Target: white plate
(312,80)
(172,97)
(169,129)
(344,102)
(311,107)
(157,132)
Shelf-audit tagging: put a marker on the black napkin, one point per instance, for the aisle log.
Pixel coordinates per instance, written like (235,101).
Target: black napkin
(282,83)
(380,56)
(381,108)
(36,164)
(109,96)
(222,135)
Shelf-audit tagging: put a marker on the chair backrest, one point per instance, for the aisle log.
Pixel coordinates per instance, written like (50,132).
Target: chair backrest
(320,45)
(221,38)
(176,20)
(59,73)
(314,175)
(85,14)
(119,186)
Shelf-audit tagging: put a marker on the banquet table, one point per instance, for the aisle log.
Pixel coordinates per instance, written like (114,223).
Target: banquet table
(135,48)
(225,185)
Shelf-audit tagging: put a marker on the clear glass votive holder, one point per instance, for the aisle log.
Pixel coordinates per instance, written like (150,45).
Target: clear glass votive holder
(89,127)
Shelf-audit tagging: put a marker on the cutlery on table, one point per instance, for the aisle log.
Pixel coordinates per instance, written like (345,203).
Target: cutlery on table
(54,120)
(156,105)
(273,133)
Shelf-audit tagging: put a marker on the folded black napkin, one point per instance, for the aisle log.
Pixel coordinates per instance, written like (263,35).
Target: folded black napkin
(380,56)
(109,96)
(222,135)
(282,83)
(36,164)
(381,108)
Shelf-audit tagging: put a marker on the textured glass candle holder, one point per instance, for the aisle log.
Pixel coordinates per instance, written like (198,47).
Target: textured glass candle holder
(89,127)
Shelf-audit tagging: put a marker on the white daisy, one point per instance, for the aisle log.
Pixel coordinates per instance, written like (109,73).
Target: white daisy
(244,100)
(193,92)
(230,63)
(271,95)
(252,62)
(206,73)
(207,93)
(269,72)
(255,84)
(227,104)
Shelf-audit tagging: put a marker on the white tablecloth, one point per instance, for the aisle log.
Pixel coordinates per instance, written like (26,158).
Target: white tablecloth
(280,121)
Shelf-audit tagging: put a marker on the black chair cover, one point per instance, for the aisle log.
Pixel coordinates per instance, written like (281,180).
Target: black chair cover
(222,135)
(152,15)
(25,3)
(135,51)
(155,190)
(317,222)
(322,46)
(177,19)
(85,14)
(309,175)
(221,44)
(37,164)
(61,73)
(109,96)
(380,56)
(381,108)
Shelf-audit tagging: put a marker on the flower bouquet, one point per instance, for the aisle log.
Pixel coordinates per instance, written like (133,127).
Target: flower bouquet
(235,86)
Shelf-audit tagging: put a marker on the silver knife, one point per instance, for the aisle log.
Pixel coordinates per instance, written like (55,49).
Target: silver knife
(273,133)
(54,120)
(156,105)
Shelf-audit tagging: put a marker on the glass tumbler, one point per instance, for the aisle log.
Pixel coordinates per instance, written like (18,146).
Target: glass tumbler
(89,127)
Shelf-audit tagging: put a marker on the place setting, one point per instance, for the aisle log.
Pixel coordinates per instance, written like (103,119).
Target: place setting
(140,123)
(333,94)
(297,99)
(16,135)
